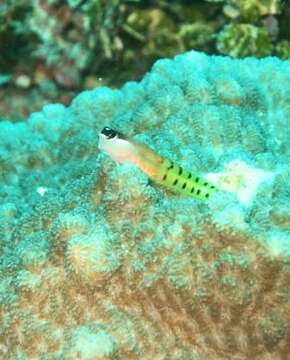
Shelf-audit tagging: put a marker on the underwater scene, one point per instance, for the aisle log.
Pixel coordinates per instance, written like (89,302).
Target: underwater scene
(145,180)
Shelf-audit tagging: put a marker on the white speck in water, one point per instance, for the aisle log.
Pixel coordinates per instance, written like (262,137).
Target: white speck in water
(41,190)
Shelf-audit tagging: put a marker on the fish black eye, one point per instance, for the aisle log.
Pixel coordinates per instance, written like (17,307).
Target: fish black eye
(109,133)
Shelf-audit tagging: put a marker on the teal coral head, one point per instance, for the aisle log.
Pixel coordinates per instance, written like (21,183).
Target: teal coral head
(92,254)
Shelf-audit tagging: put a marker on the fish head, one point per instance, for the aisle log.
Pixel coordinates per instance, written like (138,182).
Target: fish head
(116,145)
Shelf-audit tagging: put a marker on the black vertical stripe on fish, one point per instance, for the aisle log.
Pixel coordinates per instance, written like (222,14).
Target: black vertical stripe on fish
(175,182)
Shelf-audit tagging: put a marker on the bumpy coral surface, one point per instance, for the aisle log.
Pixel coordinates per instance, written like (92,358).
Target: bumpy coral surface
(97,263)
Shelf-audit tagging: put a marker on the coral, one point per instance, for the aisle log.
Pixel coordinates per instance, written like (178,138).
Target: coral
(283,49)
(91,256)
(253,9)
(91,342)
(251,40)
(59,41)
(98,263)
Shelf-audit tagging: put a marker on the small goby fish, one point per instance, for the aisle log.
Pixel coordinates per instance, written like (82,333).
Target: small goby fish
(161,170)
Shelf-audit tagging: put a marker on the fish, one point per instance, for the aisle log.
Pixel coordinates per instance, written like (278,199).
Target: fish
(160,170)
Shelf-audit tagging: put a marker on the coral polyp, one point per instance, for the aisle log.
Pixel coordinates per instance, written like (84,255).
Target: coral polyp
(91,257)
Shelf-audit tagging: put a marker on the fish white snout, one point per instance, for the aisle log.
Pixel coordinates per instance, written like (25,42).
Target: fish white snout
(120,150)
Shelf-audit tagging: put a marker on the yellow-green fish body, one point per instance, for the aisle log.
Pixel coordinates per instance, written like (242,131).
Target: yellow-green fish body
(178,180)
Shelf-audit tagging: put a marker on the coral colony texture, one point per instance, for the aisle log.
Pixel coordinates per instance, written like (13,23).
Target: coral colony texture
(98,263)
